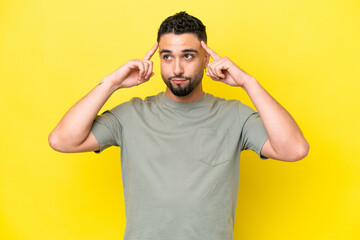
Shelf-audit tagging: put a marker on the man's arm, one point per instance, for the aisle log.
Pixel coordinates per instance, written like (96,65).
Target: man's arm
(286,141)
(72,134)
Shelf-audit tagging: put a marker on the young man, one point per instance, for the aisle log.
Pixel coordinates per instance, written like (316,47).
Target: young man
(180,149)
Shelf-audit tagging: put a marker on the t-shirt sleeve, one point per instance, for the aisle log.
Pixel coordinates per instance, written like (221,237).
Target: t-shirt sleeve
(254,135)
(107,130)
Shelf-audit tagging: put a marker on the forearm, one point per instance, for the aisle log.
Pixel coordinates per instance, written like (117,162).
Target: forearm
(284,134)
(285,137)
(75,126)
(72,134)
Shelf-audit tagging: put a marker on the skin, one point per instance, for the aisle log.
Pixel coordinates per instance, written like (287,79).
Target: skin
(181,55)
(286,141)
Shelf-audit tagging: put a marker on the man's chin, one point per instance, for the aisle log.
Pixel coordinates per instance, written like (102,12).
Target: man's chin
(181,91)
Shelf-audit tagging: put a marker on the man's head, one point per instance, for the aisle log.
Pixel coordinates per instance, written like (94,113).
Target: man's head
(183,23)
(182,58)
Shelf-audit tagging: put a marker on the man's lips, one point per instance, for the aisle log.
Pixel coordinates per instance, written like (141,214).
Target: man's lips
(178,80)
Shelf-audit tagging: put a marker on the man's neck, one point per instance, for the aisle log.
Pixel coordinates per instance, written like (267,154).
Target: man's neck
(195,95)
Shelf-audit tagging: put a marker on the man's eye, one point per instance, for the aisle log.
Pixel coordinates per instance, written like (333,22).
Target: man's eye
(188,56)
(166,57)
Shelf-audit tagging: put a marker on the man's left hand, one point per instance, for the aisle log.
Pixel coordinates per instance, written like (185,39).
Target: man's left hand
(222,69)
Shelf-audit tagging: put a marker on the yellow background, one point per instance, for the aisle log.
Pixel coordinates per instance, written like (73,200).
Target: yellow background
(305,53)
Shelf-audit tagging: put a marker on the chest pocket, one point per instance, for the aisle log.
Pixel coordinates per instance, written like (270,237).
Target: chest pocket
(212,145)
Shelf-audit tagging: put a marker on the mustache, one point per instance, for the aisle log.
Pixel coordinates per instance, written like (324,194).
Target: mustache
(180,77)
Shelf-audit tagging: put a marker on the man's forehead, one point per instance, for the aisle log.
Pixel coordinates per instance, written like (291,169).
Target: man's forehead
(179,42)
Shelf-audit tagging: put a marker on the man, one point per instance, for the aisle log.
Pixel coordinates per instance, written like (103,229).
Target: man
(180,149)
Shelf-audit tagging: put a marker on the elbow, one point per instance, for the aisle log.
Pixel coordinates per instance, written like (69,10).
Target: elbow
(300,152)
(64,144)
(55,142)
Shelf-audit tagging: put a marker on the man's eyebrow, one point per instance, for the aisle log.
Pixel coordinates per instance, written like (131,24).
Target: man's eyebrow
(190,50)
(184,50)
(165,51)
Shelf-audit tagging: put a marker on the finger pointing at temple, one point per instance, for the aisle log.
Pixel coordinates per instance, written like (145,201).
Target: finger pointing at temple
(150,53)
(211,52)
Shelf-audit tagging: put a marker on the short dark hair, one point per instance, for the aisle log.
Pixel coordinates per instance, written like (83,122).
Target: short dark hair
(181,23)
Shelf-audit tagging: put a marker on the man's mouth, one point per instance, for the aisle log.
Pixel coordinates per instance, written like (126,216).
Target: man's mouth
(178,80)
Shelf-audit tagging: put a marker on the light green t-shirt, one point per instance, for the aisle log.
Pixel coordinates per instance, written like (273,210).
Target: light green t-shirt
(180,163)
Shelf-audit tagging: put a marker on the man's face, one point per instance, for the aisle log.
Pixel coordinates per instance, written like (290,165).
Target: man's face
(182,62)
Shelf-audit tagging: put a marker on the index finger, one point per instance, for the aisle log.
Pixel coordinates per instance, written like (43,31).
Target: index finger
(150,53)
(212,53)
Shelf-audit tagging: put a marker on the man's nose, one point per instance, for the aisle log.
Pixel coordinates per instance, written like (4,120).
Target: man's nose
(178,68)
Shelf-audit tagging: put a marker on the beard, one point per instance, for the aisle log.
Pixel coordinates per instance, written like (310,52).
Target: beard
(181,91)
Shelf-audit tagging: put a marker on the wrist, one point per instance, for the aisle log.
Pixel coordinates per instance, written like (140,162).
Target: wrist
(108,85)
(249,83)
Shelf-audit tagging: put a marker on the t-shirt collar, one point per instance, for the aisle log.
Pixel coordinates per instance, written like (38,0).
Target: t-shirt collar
(173,103)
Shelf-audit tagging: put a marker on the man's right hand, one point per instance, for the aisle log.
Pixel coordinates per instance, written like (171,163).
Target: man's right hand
(73,132)
(134,72)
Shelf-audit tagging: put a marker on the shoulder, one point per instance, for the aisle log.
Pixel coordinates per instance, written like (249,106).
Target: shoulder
(134,103)
(232,104)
